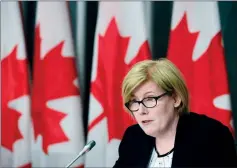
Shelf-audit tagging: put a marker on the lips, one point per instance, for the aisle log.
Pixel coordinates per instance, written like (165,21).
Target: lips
(146,122)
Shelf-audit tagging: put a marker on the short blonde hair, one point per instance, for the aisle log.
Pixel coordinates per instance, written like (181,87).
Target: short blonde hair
(164,73)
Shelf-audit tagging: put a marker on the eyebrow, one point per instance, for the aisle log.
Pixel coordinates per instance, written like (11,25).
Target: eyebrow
(148,92)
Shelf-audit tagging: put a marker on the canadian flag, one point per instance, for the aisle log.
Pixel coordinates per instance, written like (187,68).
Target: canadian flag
(56,104)
(15,101)
(120,41)
(196,47)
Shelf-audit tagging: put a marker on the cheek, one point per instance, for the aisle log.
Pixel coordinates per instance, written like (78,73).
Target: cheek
(163,112)
(156,112)
(167,107)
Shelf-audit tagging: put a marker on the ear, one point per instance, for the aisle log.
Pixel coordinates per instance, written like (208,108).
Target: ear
(177,100)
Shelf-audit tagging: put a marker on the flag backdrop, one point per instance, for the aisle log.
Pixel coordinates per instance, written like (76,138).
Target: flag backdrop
(56,105)
(196,47)
(15,116)
(120,41)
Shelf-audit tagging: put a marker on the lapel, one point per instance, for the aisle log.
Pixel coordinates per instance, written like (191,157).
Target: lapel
(181,155)
(144,150)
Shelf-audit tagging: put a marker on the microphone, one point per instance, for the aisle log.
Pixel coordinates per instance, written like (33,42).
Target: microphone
(86,149)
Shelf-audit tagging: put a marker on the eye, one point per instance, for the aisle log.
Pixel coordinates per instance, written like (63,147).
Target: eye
(149,99)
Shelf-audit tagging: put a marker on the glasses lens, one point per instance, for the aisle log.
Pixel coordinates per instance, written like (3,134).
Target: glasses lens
(133,106)
(149,102)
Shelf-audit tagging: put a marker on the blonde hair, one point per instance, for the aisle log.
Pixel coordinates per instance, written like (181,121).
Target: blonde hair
(164,73)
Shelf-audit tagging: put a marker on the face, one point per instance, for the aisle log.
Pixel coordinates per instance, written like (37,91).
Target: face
(159,118)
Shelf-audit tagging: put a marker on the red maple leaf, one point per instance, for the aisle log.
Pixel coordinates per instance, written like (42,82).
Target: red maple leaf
(14,84)
(53,78)
(110,73)
(206,77)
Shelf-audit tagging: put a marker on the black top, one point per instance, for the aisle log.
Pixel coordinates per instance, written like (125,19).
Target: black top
(200,142)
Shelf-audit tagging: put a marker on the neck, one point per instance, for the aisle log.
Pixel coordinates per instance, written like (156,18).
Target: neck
(170,130)
(165,139)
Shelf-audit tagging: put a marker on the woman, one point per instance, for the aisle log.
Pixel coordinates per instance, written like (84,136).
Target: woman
(167,134)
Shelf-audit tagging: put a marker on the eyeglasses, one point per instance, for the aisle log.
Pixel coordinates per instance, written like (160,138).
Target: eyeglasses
(148,102)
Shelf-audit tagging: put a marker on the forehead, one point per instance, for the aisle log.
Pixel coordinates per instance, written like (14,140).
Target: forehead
(145,88)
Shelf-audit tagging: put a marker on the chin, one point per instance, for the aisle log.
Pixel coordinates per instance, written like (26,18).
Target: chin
(150,131)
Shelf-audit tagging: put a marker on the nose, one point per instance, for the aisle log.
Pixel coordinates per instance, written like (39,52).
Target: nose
(142,109)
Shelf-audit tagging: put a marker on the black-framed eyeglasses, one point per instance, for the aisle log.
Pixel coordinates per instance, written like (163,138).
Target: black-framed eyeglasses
(148,102)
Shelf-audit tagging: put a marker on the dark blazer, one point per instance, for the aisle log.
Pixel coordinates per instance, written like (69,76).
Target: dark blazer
(200,142)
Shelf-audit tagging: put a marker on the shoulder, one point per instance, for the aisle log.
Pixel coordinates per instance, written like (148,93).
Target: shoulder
(203,124)
(134,131)
(203,120)
(216,139)
(134,148)
(133,136)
